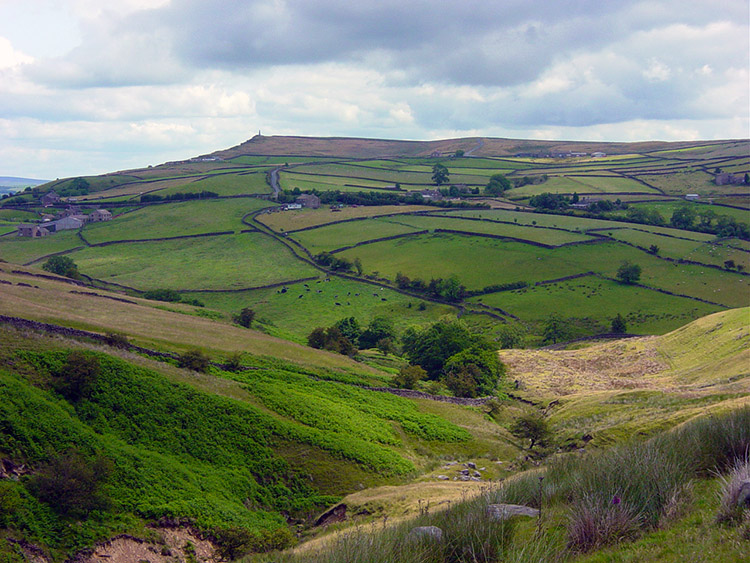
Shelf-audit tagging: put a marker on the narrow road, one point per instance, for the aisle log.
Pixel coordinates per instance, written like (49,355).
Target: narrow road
(480,144)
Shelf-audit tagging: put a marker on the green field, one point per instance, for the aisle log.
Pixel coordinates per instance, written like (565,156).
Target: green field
(581,184)
(175,219)
(591,298)
(666,208)
(680,249)
(298,310)
(481,262)
(222,262)
(252,182)
(22,250)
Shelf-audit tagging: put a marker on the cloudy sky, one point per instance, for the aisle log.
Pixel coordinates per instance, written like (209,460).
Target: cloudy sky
(92,86)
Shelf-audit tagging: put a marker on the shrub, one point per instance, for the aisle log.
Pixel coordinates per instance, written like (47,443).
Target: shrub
(116,340)
(194,359)
(533,427)
(408,377)
(62,266)
(163,294)
(618,325)
(76,377)
(71,484)
(628,273)
(246,317)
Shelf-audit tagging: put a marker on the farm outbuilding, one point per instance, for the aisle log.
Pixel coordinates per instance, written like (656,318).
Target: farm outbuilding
(309,200)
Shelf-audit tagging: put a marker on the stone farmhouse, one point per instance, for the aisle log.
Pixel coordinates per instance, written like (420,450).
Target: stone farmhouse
(50,198)
(69,220)
(32,231)
(309,200)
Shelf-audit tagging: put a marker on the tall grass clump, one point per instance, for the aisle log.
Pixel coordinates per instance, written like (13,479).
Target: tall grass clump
(712,443)
(731,510)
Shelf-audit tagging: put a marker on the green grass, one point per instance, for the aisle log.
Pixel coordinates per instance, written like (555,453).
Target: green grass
(330,237)
(666,208)
(581,184)
(481,262)
(251,182)
(297,315)
(704,252)
(178,219)
(8,228)
(21,250)
(17,216)
(222,262)
(645,311)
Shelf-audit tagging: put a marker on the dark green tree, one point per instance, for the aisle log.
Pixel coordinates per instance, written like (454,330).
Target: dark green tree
(479,362)
(533,427)
(433,345)
(618,324)
(497,185)
(555,329)
(62,266)
(683,217)
(194,359)
(246,317)
(440,174)
(71,484)
(350,328)
(408,376)
(77,376)
(628,273)
(379,327)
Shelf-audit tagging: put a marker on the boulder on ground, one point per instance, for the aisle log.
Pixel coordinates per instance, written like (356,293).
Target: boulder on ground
(505,511)
(427,532)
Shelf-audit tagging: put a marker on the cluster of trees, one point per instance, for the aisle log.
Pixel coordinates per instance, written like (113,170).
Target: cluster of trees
(447,351)
(497,185)
(392,197)
(552,202)
(628,273)
(62,266)
(338,264)
(449,289)
(706,220)
(346,336)
(179,196)
(171,296)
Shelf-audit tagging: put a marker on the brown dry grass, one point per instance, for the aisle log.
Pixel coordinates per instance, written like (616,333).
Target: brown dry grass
(146,325)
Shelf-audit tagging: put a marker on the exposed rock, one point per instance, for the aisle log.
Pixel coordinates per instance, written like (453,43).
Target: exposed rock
(464,471)
(471,465)
(476,474)
(11,470)
(335,514)
(427,532)
(505,511)
(443,477)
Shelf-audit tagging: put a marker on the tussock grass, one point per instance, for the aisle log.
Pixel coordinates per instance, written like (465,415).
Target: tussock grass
(599,499)
(729,509)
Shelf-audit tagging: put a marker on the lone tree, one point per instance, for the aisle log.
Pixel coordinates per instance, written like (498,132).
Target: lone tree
(628,273)
(440,174)
(62,266)
(246,317)
(618,325)
(555,329)
(532,427)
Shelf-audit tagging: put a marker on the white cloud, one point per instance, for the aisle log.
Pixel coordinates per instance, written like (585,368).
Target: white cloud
(10,57)
(154,80)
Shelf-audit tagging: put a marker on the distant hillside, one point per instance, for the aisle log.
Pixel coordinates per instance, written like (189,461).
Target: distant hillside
(11,184)
(474,146)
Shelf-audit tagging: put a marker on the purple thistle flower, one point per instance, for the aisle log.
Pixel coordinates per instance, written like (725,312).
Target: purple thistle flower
(615,500)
